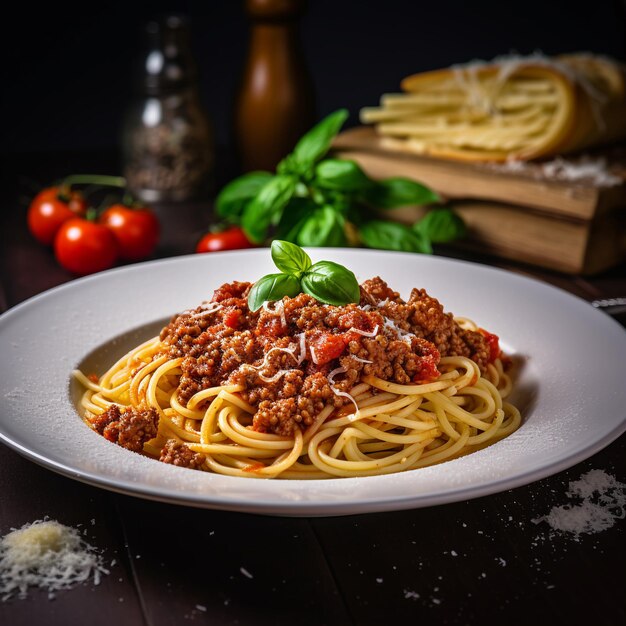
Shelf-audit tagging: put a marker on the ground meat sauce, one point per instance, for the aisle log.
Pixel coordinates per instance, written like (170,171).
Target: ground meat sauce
(129,428)
(223,342)
(177,453)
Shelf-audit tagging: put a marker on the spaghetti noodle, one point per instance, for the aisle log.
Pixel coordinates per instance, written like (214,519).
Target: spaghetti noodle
(303,390)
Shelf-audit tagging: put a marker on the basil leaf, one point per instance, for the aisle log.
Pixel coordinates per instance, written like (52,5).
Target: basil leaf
(441,225)
(393,236)
(288,165)
(342,175)
(324,227)
(331,283)
(272,287)
(396,192)
(293,217)
(315,144)
(268,203)
(233,198)
(289,258)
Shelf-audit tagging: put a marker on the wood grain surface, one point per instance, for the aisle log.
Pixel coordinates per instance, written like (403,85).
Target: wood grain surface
(482,561)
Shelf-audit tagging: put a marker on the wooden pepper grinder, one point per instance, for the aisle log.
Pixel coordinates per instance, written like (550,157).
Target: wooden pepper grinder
(275,103)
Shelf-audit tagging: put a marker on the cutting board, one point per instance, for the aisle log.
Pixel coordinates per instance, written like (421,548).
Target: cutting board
(514,211)
(526,186)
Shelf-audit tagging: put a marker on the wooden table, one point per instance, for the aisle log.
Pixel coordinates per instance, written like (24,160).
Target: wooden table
(476,562)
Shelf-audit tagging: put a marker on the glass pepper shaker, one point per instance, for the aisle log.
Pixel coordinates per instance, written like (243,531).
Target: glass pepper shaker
(167,138)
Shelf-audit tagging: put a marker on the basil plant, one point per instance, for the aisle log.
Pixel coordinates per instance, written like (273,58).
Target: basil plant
(315,201)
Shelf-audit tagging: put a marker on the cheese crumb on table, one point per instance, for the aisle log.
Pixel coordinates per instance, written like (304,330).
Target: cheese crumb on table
(602,502)
(48,555)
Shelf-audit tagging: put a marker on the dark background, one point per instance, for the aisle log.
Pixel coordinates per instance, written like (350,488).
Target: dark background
(68,76)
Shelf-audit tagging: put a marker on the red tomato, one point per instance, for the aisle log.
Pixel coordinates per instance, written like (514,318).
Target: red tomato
(48,211)
(429,359)
(231,317)
(232,238)
(328,347)
(493,341)
(136,230)
(84,247)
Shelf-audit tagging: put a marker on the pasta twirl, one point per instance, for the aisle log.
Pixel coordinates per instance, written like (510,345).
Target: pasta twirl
(301,390)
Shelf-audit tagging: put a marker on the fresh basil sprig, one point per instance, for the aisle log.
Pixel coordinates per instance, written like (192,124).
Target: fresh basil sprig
(342,175)
(324,227)
(393,193)
(441,226)
(289,258)
(237,194)
(267,205)
(273,287)
(393,236)
(331,283)
(314,144)
(325,281)
(316,201)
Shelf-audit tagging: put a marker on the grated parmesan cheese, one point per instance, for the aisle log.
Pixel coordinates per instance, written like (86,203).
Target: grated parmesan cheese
(48,555)
(302,355)
(291,349)
(314,356)
(403,335)
(272,379)
(342,394)
(603,502)
(363,332)
(583,169)
(206,308)
(278,310)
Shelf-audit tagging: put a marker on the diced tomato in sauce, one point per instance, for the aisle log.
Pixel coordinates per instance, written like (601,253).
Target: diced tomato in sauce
(231,318)
(427,373)
(272,327)
(328,347)
(493,341)
(428,364)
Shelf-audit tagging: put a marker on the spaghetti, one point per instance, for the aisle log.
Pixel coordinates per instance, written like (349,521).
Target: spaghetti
(301,390)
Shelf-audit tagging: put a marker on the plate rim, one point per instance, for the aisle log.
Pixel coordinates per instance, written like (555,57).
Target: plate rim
(331,509)
(310,507)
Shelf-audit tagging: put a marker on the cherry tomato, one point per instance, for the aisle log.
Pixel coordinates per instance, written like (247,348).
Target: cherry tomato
(136,230)
(84,247)
(48,211)
(231,239)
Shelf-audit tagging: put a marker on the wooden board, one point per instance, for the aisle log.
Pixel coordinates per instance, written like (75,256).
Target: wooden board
(507,231)
(460,180)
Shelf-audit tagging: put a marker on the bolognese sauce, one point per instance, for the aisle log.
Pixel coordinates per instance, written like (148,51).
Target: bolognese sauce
(295,356)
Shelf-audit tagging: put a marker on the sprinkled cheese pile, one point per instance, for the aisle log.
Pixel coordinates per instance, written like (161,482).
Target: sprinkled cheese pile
(585,169)
(603,502)
(48,555)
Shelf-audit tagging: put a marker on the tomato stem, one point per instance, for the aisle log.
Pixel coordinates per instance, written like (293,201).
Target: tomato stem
(128,199)
(93,179)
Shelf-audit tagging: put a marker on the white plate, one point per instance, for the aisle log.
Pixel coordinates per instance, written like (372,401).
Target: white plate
(571,387)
